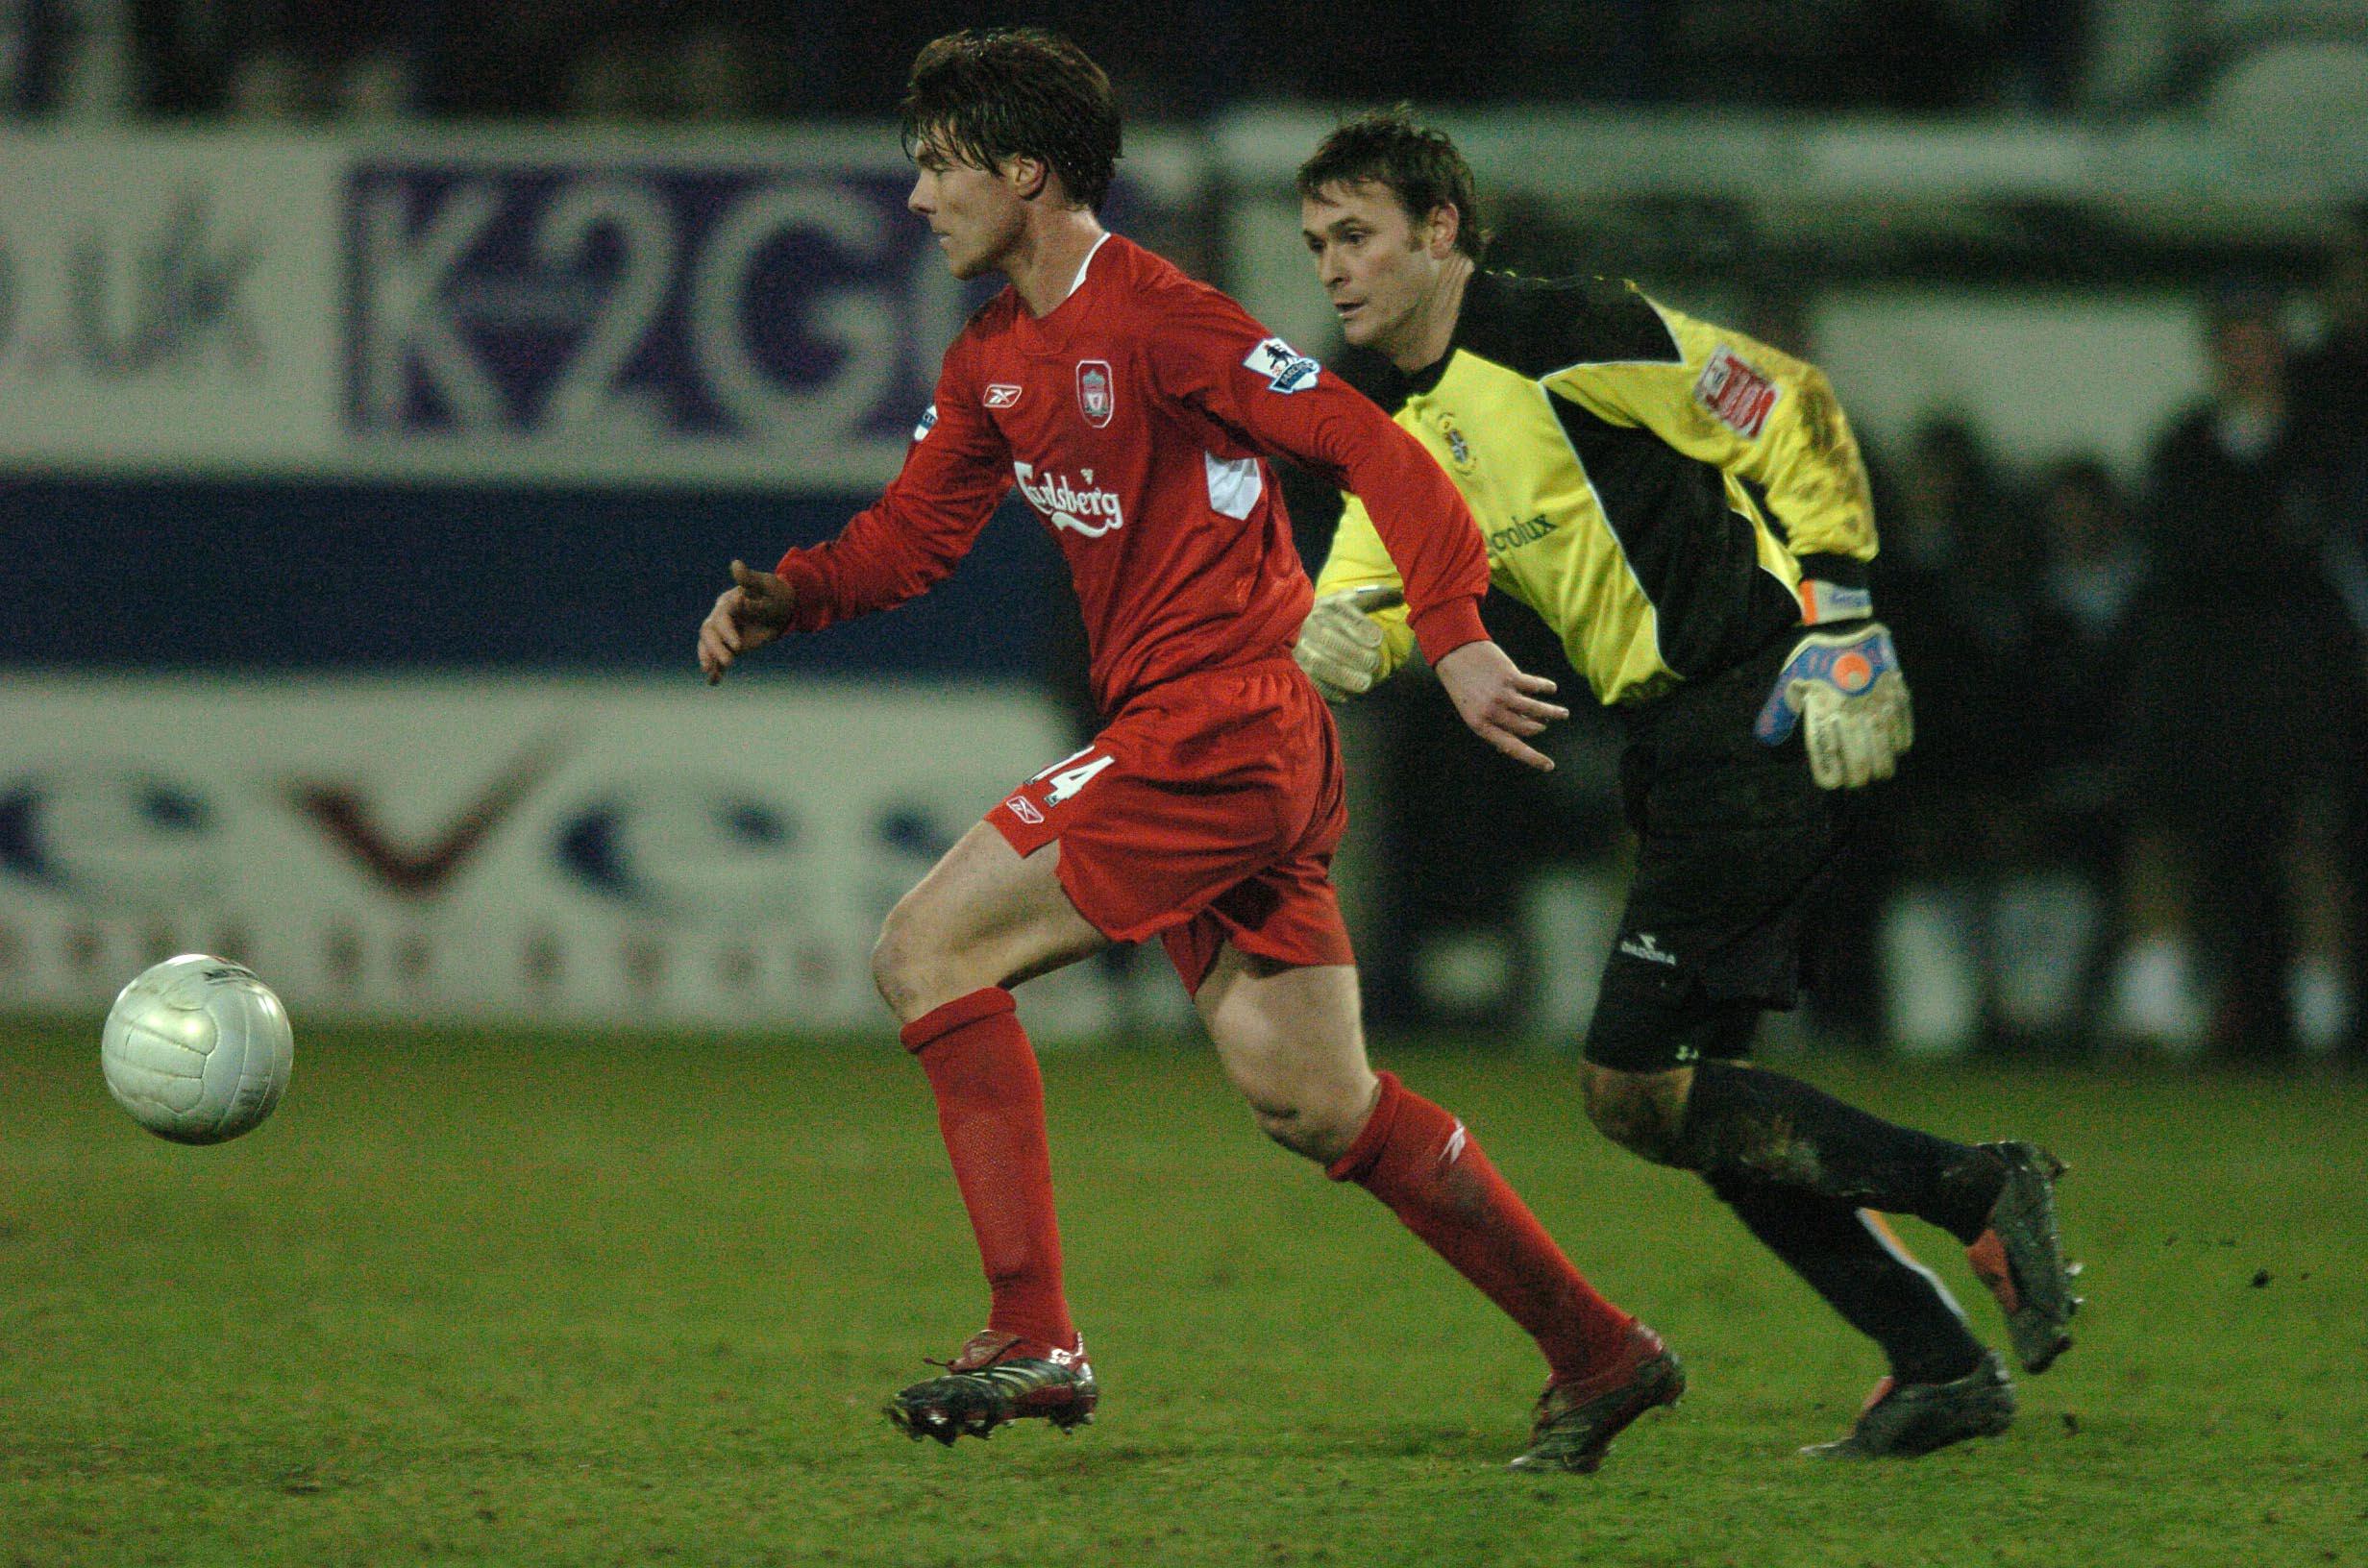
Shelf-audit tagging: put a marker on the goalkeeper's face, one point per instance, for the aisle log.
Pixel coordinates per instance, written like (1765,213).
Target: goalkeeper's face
(1377,264)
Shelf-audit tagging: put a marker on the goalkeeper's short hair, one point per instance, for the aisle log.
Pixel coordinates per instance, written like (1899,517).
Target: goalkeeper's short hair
(1420,167)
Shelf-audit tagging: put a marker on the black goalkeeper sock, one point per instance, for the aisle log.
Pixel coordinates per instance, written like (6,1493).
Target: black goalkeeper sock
(1743,1120)
(1879,1292)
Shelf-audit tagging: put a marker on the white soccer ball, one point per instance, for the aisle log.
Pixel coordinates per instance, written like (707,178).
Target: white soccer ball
(197,1049)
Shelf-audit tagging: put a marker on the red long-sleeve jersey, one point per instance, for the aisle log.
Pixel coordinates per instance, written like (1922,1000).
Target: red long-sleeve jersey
(1133,418)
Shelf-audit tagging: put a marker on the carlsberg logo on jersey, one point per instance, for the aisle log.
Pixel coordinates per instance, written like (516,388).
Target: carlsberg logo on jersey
(1066,506)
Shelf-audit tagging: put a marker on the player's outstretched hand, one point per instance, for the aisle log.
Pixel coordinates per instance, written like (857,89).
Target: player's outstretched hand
(1844,691)
(750,613)
(1501,705)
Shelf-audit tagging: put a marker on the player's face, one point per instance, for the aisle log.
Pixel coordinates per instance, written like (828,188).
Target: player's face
(1377,264)
(975,213)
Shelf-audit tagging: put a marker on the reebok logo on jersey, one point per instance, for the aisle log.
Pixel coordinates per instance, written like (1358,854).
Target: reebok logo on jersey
(1737,396)
(1002,394)
(1025,809)
(1285,368)
(1091,512)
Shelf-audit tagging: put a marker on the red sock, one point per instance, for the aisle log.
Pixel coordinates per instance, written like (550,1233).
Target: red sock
(1420,1161)
(991,1109)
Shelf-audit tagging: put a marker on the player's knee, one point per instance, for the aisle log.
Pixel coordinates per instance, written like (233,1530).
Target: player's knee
(1641,1112)
(902,965)
(889,974)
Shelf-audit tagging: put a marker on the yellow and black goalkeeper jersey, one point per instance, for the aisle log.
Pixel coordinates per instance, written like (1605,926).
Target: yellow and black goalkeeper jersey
(1668,495)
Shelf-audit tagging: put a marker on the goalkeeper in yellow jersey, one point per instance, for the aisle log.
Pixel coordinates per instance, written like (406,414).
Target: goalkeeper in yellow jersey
(1689,511)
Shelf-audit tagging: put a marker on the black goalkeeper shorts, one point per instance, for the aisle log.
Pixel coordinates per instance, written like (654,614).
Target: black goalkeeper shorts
(1738,848)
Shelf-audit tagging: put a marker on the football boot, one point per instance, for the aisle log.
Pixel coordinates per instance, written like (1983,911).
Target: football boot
(1576,1420)
(2020,1257)
(1903,1420)
(997,1379)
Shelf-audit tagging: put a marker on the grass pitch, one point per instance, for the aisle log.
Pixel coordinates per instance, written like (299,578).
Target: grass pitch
(517,1299)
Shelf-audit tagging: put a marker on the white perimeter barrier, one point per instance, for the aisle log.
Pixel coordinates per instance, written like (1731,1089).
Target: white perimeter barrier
(568,851)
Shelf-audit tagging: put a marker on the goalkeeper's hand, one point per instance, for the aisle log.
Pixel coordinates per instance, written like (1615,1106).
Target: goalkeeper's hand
(1340,647)
(1845,689)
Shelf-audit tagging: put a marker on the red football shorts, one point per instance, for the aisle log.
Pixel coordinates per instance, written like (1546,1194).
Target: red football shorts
(1206,813)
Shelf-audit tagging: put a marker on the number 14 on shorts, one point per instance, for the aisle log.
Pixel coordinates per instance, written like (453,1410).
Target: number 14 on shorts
(1048,788)
(1072,773)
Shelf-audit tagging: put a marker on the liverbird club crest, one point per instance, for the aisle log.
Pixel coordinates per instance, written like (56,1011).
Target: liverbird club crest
(1094,391)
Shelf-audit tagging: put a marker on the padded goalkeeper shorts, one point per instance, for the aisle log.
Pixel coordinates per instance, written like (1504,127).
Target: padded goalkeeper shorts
(1738,849)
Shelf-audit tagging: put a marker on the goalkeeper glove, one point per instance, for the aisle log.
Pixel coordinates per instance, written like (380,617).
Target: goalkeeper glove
(1340,647)
(1845,689)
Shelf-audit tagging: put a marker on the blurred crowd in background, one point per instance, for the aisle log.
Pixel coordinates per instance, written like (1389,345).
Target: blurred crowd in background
(690,61)
(2142,784)
(2136,813)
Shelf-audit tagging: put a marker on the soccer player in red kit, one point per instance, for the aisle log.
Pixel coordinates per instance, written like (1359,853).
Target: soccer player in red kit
(1132,407)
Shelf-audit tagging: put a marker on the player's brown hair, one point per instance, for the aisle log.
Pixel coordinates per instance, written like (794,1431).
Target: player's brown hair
(1418,165)
(986,96)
